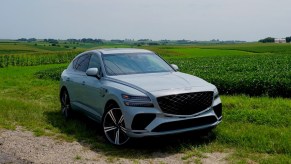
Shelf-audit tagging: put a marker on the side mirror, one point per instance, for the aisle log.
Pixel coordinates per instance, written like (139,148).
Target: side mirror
(93,72)
(175,67)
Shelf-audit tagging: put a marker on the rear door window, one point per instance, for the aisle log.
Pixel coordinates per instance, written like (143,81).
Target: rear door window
(82,63)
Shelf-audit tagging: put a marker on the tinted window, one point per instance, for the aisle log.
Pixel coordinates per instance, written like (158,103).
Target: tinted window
(75,63)
(82,63)
(123,64)
(94,62)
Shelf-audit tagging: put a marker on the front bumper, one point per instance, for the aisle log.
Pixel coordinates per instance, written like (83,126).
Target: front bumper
(156,123)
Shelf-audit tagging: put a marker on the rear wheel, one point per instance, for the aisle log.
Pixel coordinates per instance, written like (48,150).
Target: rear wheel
(114,127)
(65,105)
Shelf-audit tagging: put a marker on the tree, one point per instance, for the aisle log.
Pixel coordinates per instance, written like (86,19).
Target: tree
(31,40)
(22,39)
(288,39)
(267,40)
(52,41)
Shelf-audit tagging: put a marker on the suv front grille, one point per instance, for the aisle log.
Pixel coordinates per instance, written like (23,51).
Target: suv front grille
(185,104)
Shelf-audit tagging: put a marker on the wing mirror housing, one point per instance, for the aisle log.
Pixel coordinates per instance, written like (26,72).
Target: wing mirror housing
(93,72)
(176,68)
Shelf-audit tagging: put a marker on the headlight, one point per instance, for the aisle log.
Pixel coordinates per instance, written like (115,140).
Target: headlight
(137,101)
(215,94)
(136,98)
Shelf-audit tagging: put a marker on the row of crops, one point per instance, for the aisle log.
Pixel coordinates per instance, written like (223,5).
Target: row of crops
(52,73)
(254,47)
(258,75)
(266,72)
(36,59)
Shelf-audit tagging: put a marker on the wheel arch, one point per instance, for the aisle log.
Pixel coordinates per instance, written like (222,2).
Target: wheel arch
(109,103)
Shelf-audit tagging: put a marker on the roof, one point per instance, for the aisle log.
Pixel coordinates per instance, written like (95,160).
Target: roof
(122,51)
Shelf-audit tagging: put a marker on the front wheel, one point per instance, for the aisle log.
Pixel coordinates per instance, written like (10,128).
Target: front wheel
(114,127)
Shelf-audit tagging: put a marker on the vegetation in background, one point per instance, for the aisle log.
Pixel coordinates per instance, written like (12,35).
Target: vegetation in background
(288,39)
(272,40)
(267,40)
(253,75)
(51,73)
(254,129)
(233,71)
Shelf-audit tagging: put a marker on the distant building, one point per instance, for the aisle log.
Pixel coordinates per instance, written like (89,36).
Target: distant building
(280,40)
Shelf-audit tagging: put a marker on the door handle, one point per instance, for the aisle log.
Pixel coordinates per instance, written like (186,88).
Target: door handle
(68,79)
(83,83)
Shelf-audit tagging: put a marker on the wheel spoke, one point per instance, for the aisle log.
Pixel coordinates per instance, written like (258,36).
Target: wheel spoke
(109,128)
(66,112)
(63,109)
(117,138)
(112,116)
(121,119)
(123,129)
(63,100)
(66,98)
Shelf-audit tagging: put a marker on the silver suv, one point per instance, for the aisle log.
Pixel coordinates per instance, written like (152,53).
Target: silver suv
(135,93)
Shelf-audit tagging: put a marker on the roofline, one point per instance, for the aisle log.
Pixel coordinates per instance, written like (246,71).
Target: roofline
(121,50)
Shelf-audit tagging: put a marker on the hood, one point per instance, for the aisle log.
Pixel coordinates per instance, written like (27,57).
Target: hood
(162,81)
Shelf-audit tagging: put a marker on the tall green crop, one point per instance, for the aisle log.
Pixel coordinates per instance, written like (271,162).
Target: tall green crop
(253,75)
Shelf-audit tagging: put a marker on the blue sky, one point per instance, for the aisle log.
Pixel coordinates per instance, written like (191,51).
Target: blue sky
(248,20)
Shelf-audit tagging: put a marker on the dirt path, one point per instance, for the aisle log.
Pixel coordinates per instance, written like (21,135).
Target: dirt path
(23,147)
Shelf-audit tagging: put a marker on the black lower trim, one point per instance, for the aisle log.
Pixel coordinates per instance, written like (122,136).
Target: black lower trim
(141,121)
(218,110)
(185,124)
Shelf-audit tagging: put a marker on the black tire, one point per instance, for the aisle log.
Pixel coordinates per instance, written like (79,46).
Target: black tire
(66,105)
(113,126)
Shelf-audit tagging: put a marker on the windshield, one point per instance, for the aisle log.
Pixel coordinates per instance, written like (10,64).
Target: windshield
(134,63)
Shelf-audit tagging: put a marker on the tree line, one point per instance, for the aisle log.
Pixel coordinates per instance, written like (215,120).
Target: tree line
(272,40)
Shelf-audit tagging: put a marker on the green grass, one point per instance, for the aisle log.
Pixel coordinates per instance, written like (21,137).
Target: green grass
(254,129)
(190,52)
(20,48)
(255,47)
(252,125)
(52,73)
(258,125)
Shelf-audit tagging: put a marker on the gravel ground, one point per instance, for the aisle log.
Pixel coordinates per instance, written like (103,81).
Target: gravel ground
(21,146)
(7,158)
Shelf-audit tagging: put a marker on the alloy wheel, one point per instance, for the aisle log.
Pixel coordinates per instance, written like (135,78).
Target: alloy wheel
(114,127)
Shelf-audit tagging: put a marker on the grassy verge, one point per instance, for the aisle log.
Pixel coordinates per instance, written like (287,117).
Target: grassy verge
(254,128)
